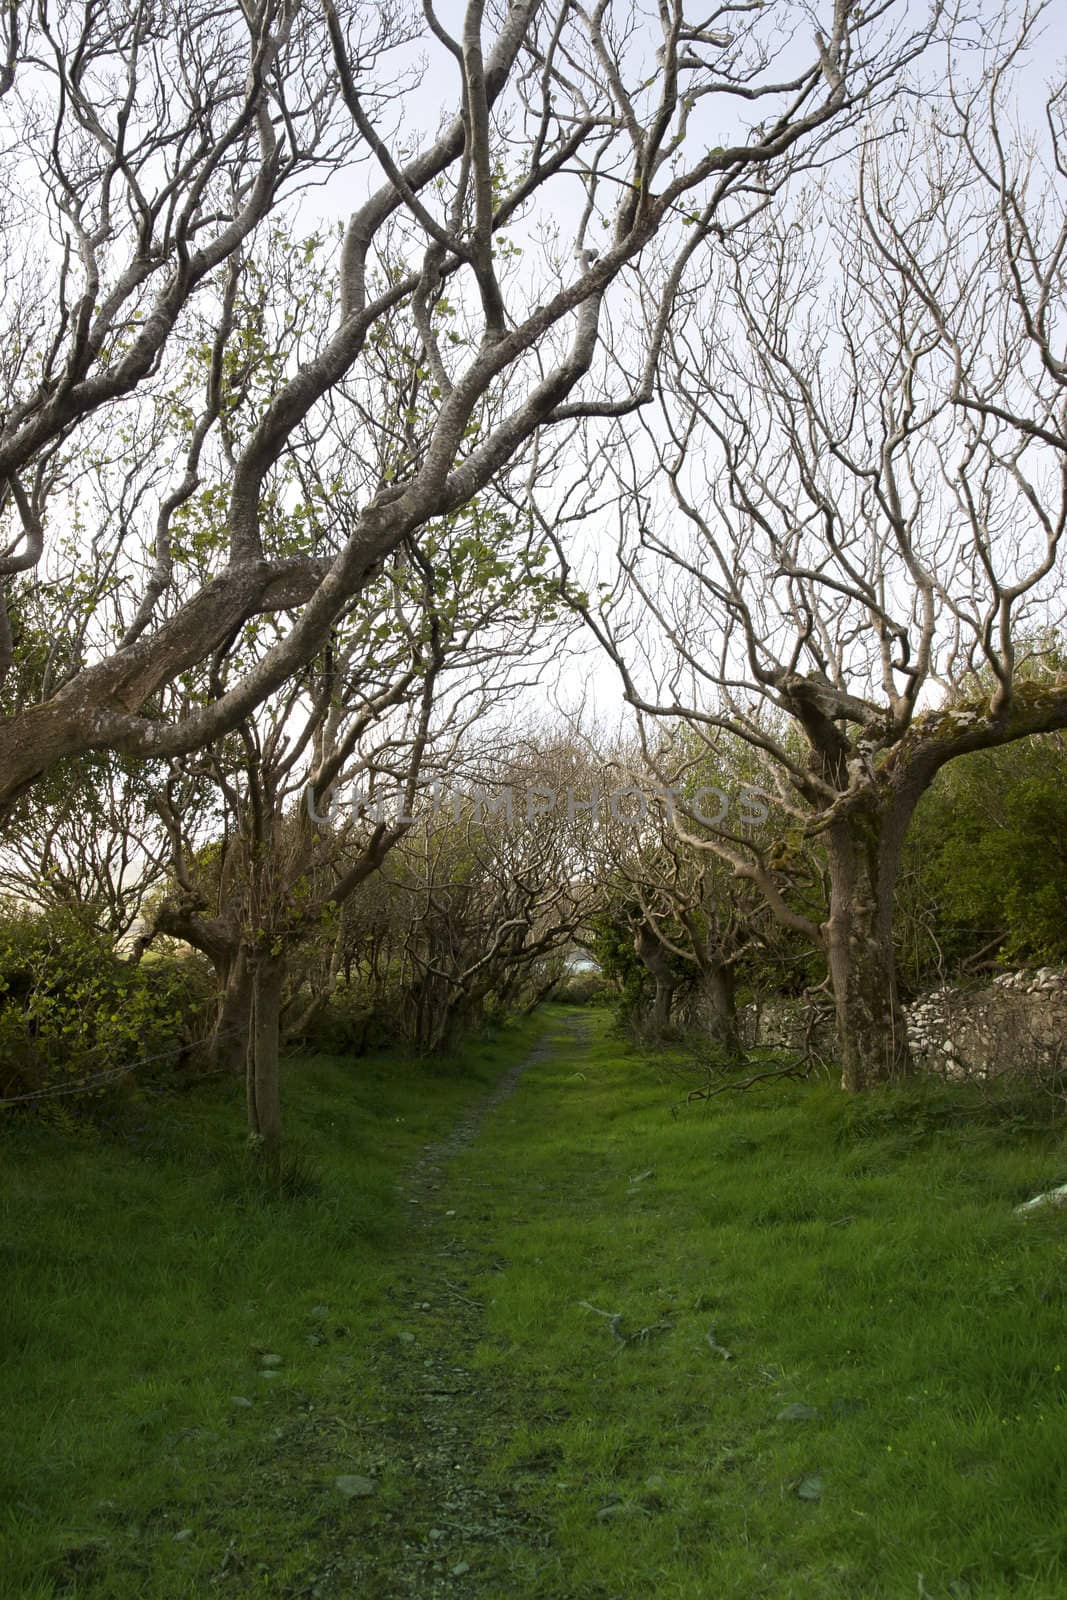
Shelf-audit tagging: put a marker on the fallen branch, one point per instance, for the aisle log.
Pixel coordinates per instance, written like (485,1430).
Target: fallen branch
(800,1073)
(457,1294)
(614,1320)
(713,1344)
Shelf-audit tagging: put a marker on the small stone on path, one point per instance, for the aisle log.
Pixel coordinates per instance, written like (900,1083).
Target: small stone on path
(620,1508)
(798,1412)
(353,1486)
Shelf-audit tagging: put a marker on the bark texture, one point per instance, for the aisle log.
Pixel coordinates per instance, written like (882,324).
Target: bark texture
(864,856)
(262,1081)
(657,961)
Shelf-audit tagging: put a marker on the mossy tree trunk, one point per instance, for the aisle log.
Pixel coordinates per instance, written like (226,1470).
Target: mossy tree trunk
(262,1080)
(721,1007)
(863,851)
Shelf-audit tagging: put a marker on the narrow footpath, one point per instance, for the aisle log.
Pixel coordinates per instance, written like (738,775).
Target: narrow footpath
(436,1435)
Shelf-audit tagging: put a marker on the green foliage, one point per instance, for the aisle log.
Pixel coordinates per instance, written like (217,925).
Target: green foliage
(72,1009)
(586,988)
(613,948)
(986,860)
(356,1018)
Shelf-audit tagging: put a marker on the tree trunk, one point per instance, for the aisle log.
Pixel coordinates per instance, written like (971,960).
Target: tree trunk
(301,1026)
(229,1046)
(541,994)
(658,964)
(660,1019)
(434,1014)
(864,856)
(721,1013)
(262,1076)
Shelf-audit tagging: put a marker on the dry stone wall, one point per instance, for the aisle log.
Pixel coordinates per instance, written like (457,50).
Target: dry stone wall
(1017,1023)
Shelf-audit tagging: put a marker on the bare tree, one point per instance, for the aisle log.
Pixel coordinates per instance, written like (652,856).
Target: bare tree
(850,513)
(690,928)
(305,800)
(696,928)
(159,147)
(496,884)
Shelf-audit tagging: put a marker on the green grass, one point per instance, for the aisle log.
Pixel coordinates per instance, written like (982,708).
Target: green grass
(861,1258)
(146,1272)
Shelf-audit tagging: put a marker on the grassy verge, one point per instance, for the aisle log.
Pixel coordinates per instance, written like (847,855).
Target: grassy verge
(782,1346)
(858,1261)
(148,1449)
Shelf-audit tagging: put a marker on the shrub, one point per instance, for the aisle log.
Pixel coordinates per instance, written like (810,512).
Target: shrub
(589,988)
(353,1020)
(71,1009)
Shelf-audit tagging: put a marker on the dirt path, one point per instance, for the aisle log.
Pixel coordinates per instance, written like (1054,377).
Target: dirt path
(435,1433)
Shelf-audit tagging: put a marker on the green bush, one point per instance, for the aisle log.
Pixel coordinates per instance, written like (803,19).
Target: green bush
(985,865)
(354,1020)
(72,1009)
(589,988)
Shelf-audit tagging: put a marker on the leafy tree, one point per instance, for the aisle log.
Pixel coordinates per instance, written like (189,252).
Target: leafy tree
(987,861)
(72,1010)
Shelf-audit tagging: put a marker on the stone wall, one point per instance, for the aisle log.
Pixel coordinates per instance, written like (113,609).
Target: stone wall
(797,1025)
(1018,1023)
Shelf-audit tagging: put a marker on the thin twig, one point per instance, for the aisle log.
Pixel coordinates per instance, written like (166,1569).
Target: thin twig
(800,1073)
(477,1305)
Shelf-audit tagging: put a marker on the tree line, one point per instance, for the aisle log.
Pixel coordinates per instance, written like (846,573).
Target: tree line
(730,343)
